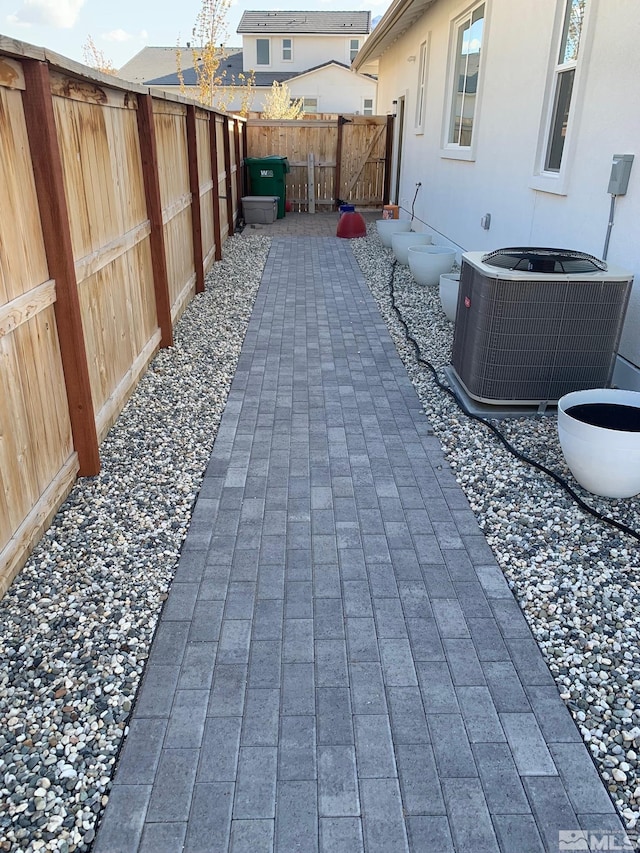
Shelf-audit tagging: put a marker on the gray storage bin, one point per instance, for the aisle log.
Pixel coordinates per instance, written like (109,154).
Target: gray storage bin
(260,209)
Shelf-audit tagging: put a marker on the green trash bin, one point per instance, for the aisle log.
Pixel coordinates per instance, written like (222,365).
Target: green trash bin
(267,177)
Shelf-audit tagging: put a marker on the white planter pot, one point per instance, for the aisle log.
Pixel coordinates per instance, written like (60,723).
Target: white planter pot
(400,244)
(388,227)
(428,263)
(603,459)
(449,285)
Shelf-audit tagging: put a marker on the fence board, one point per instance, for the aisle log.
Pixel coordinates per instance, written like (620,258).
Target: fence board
(206,188)
(23,260)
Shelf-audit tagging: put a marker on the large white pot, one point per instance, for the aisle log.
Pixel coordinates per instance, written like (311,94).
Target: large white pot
(428,263)
(603,459)
(400,244)
(449,286)
(388,227)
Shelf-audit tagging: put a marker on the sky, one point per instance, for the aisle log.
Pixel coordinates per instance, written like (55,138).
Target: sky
(121,28)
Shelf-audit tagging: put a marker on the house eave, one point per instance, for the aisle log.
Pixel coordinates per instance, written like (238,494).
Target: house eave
(399,17)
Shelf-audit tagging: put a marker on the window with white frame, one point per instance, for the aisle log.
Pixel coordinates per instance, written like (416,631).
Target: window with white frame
(367,106)
(354,47)
(465,76)
(564,76)
(422,84)
(310,105)
(287,50)
(263,52)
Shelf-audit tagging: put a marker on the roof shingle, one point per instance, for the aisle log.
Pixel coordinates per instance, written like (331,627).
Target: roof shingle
(332,23)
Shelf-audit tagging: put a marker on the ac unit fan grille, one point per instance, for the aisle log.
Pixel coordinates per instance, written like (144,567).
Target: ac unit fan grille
(549,261)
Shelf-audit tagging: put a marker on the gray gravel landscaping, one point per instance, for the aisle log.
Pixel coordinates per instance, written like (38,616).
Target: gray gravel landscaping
(576,578)
(76,624)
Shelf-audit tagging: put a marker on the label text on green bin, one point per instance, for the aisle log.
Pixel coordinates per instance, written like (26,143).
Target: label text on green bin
(266,173)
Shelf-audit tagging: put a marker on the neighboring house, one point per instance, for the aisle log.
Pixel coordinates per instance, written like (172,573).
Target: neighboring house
(310,51)
(516,110)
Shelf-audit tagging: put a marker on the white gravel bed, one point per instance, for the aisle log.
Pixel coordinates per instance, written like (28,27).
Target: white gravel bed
(576,578)
(76,624)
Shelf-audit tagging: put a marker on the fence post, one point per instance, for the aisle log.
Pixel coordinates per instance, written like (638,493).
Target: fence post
(228,183)
(239,161)
(54,216)
(194,186)
(149,158)
(215,176)
(338,176)
(388,152)
(311,182)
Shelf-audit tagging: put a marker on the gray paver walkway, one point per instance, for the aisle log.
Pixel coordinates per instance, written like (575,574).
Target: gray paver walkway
(340,665)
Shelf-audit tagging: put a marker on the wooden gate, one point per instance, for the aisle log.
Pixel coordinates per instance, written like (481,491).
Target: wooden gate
(331,162)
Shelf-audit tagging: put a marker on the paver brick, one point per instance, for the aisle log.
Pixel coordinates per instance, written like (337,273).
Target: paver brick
(500,779)
(122,826)
(581,780)
(296,817)
(338,834)
(451,746)
(255,793)
(265,663)
(463,662)
(186,721)
(297,748)
(173,785)
(331,663)
(261,715)
(210,817)
(251,836)
(168,837)
(382,819)
(374,747)
(298,689)
(469,818)
(228,691)
(436,687)
(518,832)
(527,744)
(419,781)
(196,672)
(429,832)
(220,747)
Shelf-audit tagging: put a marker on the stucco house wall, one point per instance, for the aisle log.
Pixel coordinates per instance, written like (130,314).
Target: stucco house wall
(307,50)
(337,90)
(501,174)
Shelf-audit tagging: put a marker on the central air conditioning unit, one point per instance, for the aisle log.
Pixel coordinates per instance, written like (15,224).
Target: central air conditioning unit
(534,324)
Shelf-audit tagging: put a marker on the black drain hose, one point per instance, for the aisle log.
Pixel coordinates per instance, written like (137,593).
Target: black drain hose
(504,441)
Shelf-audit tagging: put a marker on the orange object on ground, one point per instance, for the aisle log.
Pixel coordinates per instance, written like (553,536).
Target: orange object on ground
(391,211)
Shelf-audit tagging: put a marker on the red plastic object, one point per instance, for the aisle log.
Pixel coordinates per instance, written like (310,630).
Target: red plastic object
(288,207)
(351,224)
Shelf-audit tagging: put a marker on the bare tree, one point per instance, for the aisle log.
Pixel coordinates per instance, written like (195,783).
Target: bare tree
(279,104)
(95,58)
(207,54)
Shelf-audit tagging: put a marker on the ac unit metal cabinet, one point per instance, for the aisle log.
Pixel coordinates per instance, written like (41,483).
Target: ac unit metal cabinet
(529,337)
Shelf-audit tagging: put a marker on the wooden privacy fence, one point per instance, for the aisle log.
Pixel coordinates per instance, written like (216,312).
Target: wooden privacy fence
(346,160)
(115,200)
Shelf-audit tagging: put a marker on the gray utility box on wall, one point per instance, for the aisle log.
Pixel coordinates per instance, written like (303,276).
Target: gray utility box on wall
(535,324)
(260,209)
